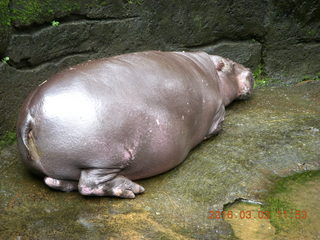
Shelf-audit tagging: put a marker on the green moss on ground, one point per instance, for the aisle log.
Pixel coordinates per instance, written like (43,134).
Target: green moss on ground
(283,184)
(285,213)
(7,139)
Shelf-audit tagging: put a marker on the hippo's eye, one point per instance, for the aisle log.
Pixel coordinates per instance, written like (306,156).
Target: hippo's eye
(220,66)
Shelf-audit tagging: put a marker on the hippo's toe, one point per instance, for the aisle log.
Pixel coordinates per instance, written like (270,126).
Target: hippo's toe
(95,183)
(62,185)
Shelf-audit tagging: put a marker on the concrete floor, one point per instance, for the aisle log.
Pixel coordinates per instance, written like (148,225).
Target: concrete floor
(275,133)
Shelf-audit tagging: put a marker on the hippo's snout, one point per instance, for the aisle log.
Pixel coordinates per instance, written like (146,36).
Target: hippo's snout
(246,83)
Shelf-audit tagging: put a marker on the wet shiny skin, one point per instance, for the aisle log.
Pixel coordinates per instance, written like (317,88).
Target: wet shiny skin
(127,117)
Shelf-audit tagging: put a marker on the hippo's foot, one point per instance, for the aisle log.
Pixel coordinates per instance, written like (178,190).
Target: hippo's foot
(106,182)
(62,185)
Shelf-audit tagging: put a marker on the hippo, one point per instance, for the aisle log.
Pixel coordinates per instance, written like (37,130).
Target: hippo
(98,126)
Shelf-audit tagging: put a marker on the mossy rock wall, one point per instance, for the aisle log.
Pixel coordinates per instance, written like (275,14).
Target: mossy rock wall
(282,36)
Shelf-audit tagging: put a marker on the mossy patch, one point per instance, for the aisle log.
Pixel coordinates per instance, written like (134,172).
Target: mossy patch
(5,26)
(25,13)
(36,11)
(286,214)
(7,139)
(315,77)
(4,13)
(290,211)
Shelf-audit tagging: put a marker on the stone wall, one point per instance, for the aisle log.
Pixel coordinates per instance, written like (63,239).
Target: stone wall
(282,36)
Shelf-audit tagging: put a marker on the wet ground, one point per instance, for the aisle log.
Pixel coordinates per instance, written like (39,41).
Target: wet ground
(290,211)
(274,134)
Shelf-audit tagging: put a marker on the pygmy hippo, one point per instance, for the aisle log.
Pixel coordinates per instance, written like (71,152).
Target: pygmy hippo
(99,125)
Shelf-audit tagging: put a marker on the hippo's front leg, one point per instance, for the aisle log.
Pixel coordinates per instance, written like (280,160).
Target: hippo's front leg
(107,182)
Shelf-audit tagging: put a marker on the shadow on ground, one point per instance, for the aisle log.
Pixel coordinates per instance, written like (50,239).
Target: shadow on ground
(275,133)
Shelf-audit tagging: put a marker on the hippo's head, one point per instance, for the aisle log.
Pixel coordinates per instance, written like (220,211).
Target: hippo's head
(235,80)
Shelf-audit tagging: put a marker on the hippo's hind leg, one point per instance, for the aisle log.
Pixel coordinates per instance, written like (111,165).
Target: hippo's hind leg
(62,185)
(107,182)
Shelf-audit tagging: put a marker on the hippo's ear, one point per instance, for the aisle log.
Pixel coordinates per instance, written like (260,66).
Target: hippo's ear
(219,66)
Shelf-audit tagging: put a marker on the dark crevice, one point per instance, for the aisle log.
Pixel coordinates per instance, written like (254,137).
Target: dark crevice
(203,45)
(239,200)
(73,18)
(77,17)
(213,43)
(306,41)
(24,64)
(262,57)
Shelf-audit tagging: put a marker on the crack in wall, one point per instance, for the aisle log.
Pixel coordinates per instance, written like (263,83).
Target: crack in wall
(54,61)
(222,40)
(25,63)
(71,19)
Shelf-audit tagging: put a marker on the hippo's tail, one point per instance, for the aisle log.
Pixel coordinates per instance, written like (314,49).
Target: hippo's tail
(26,143)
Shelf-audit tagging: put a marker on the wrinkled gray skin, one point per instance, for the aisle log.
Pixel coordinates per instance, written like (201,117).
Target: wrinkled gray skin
(99,125)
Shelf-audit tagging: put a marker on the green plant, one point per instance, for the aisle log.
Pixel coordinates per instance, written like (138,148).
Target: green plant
(259,76)
(5,60)
(55,23)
